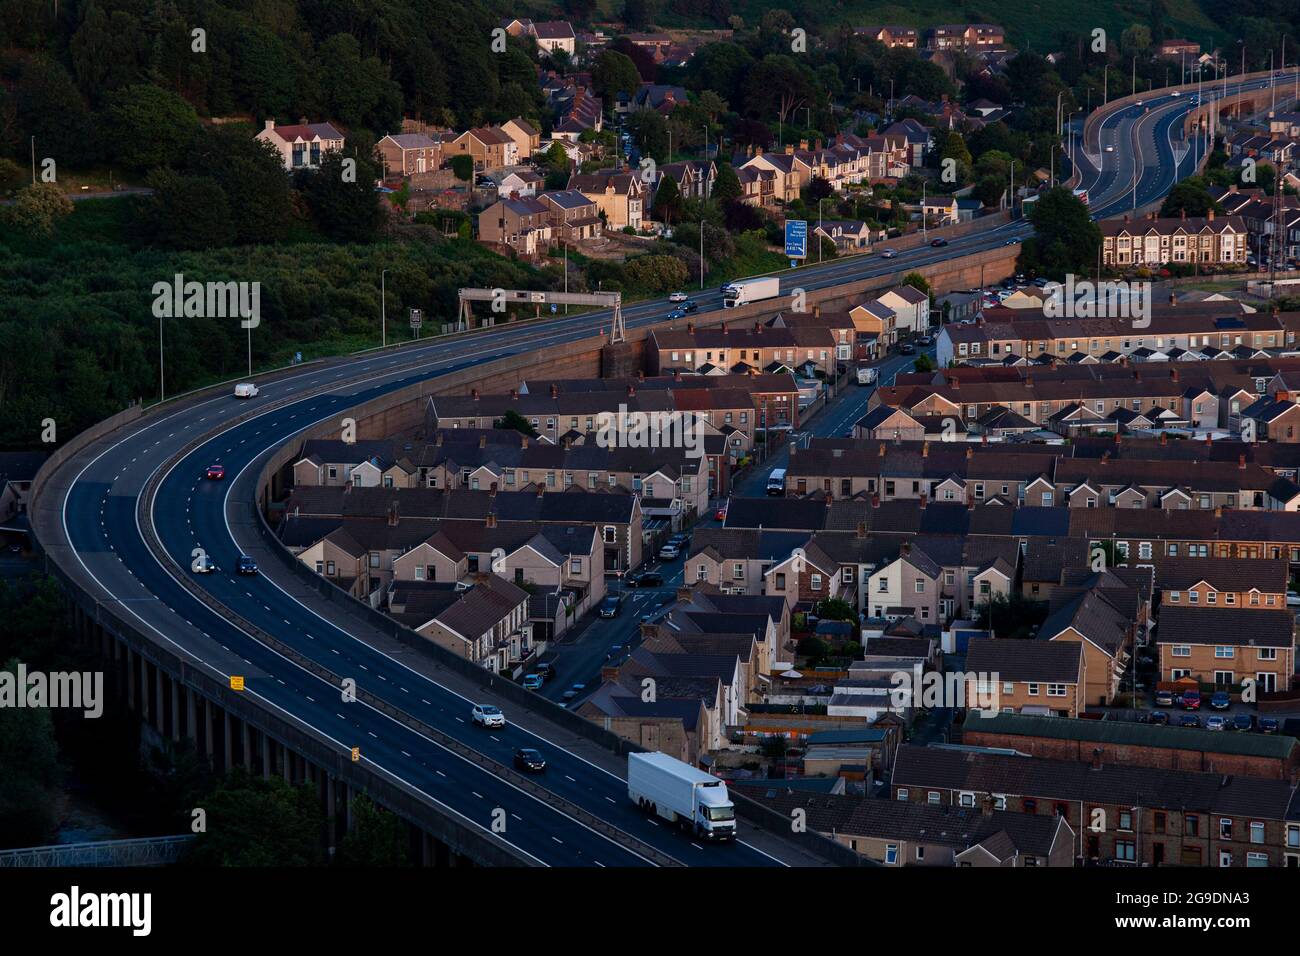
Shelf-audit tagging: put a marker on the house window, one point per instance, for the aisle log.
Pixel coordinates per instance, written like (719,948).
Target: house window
(1256,832)
(891,854)
(902,793)
(933,797)
(737,571)
(1032,690)
(1055,690)
(1181,650)
(1225,828)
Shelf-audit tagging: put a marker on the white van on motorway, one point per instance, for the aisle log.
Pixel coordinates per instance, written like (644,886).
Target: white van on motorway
(245,390)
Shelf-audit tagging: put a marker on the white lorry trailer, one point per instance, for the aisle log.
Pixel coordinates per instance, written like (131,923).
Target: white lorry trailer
(744,291)
(681,794)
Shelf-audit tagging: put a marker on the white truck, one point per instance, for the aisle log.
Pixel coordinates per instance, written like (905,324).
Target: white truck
(867,375)
(681,794)
(744,291)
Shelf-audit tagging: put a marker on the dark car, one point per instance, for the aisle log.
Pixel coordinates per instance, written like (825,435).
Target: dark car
(646,579)
(1268,725)
(610,606)
(1243,722)
(1158,717)
(1221,700)
(677,314)
(247,565)
(938,243)
(545,670)
(690,305)
(530,760)
(1189,720)
(907,348)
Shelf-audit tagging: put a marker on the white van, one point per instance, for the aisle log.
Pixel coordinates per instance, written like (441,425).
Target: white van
(776,482)
(245,390)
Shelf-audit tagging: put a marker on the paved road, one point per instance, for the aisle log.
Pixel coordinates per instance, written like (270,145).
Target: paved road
(87,522)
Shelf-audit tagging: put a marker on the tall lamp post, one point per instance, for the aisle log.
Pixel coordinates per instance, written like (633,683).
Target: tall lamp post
(383,307)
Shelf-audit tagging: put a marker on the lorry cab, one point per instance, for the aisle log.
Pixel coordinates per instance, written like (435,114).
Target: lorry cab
(681,794)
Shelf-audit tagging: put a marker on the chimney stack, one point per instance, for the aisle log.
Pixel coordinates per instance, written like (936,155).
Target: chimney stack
(392,514)
(925,449)
(491,520)
(862,529)
(473,393)
(555,391)
(875,499)
(631,390)
(482,441)
(1241,461)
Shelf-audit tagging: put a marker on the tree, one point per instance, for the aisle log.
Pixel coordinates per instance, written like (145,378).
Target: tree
(378,838)
(11,174)
(777,86)
(1065,240)
(144,127)
(254,822)
(39,207)
(727,185)
(649,131)
(251,174)
(656,273)
(614,73)
(833,609)
(668,200)
(923,364)
(30,756)
(463,167)
(819,188)
(512,420)
(1190,198)
(185,212)
(343,204)
(814,649)
(918,282)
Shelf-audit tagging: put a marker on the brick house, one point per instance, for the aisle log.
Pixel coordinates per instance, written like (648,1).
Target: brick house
(1226,646)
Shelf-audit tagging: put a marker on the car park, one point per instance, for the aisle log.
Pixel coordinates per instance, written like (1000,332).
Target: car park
(1189,720)
(532,681)
(1243,722)
(1220,700)
(530,760)
(1216,722)
(487,715)
(610,606)
(216,472)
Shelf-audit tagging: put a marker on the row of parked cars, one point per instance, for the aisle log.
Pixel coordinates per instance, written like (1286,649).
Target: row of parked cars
(1190,702)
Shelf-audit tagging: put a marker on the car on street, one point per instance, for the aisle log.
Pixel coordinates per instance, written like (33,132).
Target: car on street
(669,552)
(1189,720)
(925,340)
(690,305)
(1175,93)
(646,579)
(907,348)
(678,297)
(1164,698)
(203,565)
(889,254)
(1191,700)
(720,514)
(1243,722)
(545,670)
(572,693)
(610,606)
(1216,722)
(1220,700)
(529,760)
(487,715)
(677,313)
(532,681)
(216,472)
(1110,148)
(1268,725)
(1158,717)
(247,565)
(938,243)
(613,652)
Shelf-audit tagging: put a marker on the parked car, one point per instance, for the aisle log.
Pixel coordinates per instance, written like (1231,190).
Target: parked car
(1189,720)
(530,760)
(610,606)
(646,579)
(924,340)
(613,652)
(216,472)
(1164,698)
(247,565)
(677,297)
(721,514)
(669,552)
(907,348)
(1158,717)
(572,693)
(487,715)
(545,670)
(1243,722)
(532,681)
(1191,700)
(1216,722)
(1220,700)
(1269,725)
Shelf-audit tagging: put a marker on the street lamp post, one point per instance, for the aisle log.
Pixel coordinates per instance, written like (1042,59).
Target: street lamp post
(162,386)
(819,227)
(701,253)
(383,307)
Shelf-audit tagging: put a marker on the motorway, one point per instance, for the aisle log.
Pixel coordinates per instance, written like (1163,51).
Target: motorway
(86,520)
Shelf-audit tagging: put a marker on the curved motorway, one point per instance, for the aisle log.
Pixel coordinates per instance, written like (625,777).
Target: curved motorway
(87,520)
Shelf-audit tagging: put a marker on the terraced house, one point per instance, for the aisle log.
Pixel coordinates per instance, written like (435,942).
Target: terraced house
(1225,646)
(1119,813)
(1190,239)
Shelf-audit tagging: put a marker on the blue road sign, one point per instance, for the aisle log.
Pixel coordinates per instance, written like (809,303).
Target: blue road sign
(796,239)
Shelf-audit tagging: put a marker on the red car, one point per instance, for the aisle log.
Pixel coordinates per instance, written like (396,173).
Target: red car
(1191,700)
(721,514)
(216,472)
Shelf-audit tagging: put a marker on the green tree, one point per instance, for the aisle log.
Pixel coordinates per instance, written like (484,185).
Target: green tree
(918,282)
(668,200)
(144,126)
(776,87)
(255,822)
(29,755)
(251,174)
(922,364)
(463,167)
(1190,197)
(650,133)
(513,420)
(378,838)
(614,73)
(185,212)
(833,609)
(39,207)
(727,186)
(344,205)
(11,175)
(1065,239)
(656,273)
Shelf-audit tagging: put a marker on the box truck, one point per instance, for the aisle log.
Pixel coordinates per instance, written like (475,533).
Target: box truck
(681,794)
(744,291)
